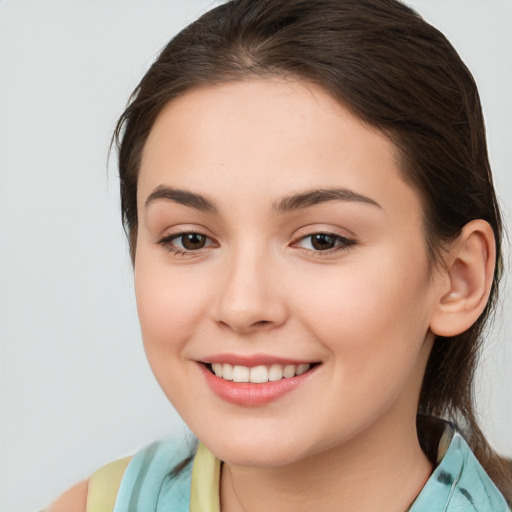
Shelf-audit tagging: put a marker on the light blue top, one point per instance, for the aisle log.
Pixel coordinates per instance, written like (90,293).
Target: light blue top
(457,484)
(148,483)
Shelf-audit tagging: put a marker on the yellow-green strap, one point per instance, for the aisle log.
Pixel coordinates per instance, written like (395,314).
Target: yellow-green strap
(204,492)
(104,486)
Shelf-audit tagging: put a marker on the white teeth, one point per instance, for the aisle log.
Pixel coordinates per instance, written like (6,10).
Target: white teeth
(217,369)
(275,372)
(241,374)
(227,372)
(302,368)
(258,374)
(289,371)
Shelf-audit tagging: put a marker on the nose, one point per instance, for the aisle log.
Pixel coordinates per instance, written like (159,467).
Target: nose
(250,297)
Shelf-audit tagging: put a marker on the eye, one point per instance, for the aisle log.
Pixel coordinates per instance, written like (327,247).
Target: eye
(184,243)
(324,242)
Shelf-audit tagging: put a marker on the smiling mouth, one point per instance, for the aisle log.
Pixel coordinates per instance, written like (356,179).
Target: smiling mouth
(258,374)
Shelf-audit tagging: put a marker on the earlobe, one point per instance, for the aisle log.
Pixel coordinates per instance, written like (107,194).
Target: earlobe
(469,270)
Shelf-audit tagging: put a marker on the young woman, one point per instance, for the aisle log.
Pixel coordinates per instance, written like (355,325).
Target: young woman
(316,245)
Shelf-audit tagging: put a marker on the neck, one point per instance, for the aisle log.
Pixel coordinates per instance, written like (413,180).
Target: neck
(350,477)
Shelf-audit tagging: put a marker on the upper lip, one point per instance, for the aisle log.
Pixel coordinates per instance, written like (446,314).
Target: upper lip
(253,360)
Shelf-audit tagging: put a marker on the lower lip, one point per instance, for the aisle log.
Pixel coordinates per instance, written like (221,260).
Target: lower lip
(248,394)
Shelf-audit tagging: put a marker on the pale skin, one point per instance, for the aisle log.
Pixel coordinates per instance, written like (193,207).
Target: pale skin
(364,305)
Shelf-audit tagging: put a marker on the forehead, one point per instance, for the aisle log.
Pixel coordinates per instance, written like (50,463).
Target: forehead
(267,138)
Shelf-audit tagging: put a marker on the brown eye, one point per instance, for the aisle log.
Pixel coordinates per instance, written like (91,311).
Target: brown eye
(187,243)
(323,242)
(193,241)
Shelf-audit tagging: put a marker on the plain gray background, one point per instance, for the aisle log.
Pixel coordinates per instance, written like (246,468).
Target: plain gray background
(75,389)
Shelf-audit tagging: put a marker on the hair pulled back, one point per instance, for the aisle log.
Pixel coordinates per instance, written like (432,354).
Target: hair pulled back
(392,70)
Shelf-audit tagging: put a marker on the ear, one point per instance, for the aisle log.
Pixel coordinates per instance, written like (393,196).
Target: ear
(469,274)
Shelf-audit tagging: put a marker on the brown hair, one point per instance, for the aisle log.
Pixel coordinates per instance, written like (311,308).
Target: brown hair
(394,71)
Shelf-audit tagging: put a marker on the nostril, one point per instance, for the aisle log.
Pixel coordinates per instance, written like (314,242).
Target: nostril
(260,324)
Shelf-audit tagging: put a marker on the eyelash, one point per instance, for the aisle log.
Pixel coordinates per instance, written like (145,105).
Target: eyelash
(341,243)
(167,241)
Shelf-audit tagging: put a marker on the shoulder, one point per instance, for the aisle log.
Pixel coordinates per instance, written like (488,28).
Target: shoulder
(163,467)
(100,489)
(73,500)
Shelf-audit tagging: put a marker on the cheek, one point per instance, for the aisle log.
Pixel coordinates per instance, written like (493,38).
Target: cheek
(375,329)
(366,312)
(170,306)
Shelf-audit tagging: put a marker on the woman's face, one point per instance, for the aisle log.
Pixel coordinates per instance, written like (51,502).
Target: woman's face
(276,236)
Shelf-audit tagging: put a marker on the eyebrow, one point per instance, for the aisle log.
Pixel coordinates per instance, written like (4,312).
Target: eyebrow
(319,196)
(286,204)
(183,197)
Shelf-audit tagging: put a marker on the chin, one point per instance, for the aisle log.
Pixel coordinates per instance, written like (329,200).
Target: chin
(263,458)
(255,450)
